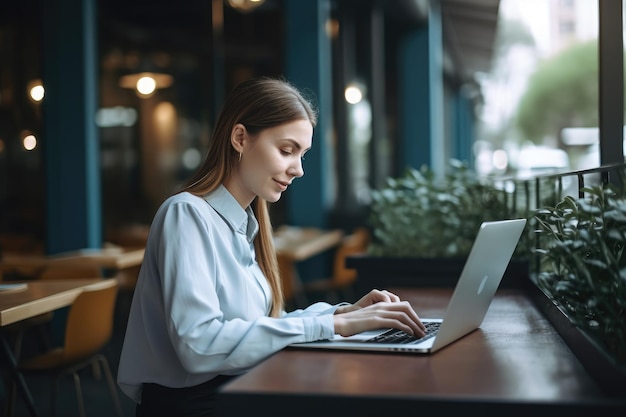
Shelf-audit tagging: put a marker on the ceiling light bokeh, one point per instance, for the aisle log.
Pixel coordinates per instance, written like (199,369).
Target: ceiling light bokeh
(245,5)
(145,84)
(36,92)
(29,141)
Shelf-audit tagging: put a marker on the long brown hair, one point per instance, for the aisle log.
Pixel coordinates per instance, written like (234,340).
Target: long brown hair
(258,104)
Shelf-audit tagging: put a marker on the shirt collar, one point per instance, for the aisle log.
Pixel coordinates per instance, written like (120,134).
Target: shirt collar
(239,220)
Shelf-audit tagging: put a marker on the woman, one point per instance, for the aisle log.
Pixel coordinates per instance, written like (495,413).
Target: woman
(208,303)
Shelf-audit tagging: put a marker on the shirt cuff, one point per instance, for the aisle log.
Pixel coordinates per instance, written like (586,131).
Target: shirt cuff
(319,328)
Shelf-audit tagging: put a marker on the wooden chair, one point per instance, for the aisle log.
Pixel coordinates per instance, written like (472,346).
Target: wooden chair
(339,287)
(292,292)
(60,270)
(88,329)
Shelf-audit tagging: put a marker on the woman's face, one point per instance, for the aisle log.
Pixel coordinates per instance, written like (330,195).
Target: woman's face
(270,161)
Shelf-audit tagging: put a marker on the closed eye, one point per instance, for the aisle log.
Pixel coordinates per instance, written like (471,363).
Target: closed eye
(293,148)
(288,152)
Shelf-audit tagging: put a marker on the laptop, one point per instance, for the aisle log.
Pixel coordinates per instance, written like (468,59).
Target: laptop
(484,268)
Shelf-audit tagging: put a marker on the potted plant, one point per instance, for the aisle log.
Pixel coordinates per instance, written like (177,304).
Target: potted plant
(582,273)
(423,227)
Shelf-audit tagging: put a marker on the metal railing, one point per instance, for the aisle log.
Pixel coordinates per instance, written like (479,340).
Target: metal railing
(524,196)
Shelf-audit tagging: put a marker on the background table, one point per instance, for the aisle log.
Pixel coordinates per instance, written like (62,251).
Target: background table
(37,298)
(296,244)
(115,260)
(515,364)
(300,243)
(40,297)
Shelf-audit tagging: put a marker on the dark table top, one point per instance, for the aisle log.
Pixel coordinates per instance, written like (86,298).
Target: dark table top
(515,362)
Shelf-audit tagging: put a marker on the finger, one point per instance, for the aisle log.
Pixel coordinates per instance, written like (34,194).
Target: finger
(380,315)
(401,321)
(379,296)
(392,297)
(401,312)
(387,296)
(406,308)
(419,323)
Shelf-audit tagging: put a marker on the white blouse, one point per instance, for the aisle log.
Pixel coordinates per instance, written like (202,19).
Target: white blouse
(201,303)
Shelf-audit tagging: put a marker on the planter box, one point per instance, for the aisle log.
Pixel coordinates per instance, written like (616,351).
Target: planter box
(610,375)
(382,271)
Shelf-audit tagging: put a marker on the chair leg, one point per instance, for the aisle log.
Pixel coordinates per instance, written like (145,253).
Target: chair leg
(17,344)
(79,394)
(12,395)
(16,376)
(111,383)
(12,398)
(95,369)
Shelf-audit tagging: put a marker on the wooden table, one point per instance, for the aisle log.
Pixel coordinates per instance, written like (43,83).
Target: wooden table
(114,259)
(515,364)
(300,243)
(37,298)
(296,244)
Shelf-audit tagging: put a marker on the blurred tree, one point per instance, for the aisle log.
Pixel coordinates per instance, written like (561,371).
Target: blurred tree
(563,92)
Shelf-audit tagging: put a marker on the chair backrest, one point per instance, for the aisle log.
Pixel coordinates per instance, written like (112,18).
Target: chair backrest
(70,269)
(90,320)
(353,244)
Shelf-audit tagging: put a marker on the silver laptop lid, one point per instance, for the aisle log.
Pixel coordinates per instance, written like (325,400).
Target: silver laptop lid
(489,257)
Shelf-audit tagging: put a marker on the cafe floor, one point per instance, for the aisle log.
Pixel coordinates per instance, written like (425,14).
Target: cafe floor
(96,394)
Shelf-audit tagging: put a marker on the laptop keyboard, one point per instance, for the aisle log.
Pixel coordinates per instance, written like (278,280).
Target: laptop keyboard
(398,336)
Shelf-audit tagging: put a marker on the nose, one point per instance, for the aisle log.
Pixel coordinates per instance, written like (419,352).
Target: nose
(296,170)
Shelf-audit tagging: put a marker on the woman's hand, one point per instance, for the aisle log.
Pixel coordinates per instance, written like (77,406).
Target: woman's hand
(378,310)
(372,297)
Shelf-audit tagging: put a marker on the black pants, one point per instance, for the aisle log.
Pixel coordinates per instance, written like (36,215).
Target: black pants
(197,401)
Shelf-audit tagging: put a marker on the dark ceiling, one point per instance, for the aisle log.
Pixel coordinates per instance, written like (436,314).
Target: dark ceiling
(469,26)
(470,30)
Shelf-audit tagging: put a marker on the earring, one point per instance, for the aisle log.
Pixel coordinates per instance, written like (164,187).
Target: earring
(239,156)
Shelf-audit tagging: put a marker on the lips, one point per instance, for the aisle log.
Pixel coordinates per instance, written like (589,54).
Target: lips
(283,185)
